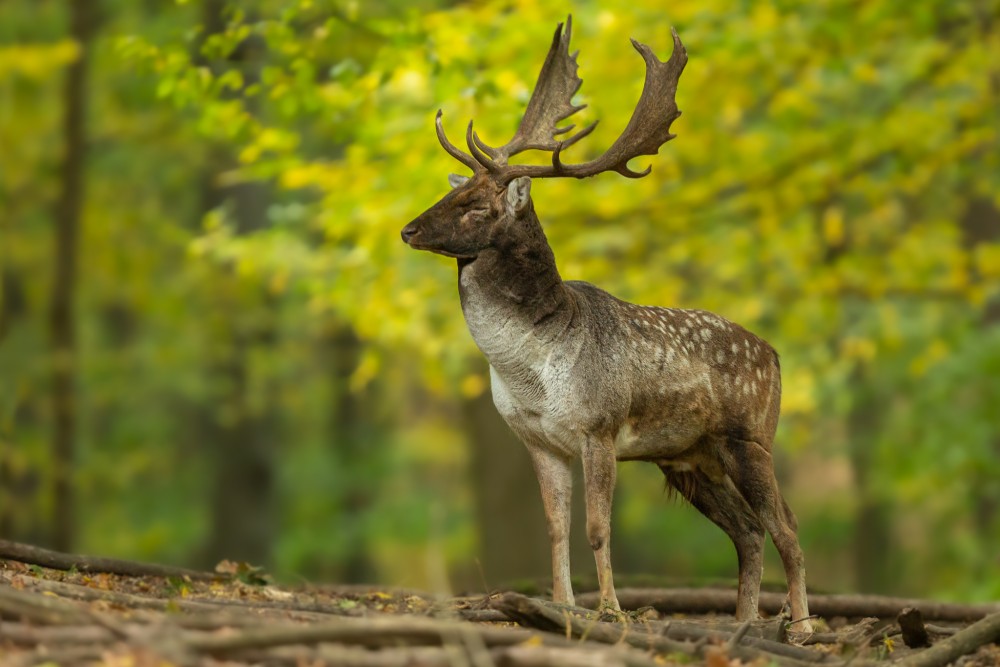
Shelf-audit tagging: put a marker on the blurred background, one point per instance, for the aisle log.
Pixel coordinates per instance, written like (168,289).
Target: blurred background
(213,343)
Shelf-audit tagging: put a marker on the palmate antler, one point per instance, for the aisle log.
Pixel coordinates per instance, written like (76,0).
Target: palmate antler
(551,103)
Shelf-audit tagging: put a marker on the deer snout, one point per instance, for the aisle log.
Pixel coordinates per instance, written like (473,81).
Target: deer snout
(408,232)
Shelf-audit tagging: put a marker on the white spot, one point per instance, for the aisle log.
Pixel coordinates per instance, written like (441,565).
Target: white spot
(672,329)
(706,334)
(735,348)
(760,376)
(684,331)
(720,356)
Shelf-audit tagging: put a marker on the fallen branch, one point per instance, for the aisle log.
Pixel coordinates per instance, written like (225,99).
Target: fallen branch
(549,617)
(388,632)
(352,656)
(961,643)
(448,656)
(32,635)
(39,609)
(57,560)
(720,600)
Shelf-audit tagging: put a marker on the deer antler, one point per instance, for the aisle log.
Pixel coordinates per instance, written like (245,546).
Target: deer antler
(551,103)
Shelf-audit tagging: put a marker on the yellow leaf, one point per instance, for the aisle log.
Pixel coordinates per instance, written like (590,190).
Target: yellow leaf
(833,226)
(988,259)
(472,385)
(866,73)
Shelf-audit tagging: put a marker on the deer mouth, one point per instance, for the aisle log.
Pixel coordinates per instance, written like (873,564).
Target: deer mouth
(411,238)
(439,251)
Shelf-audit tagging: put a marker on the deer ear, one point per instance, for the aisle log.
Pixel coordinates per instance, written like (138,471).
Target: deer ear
(519,194)
(455,180)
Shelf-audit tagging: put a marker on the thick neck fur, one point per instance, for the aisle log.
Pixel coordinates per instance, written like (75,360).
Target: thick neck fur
(512,291)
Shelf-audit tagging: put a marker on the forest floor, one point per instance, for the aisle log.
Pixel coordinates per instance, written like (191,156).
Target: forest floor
(63,609)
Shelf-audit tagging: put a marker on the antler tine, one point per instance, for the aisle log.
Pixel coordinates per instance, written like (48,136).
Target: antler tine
(453,150)
(647,129)
(473,142)
(550,103)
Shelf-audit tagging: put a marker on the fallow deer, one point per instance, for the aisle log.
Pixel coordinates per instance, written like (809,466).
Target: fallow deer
(576,372)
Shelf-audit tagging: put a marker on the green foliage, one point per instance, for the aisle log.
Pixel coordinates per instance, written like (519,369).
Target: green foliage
(818,193)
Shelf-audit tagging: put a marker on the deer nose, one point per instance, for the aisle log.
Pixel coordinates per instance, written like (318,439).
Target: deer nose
(408,232)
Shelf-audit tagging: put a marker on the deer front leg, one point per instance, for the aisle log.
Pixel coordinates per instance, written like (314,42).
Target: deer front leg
(555,477)
(599,470)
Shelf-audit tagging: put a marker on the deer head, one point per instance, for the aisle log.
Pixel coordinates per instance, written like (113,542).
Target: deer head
(480,210)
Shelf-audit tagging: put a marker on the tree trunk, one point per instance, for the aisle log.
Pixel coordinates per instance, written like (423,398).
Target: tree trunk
(62,326)
(872,525)
(981,224)
(513,542)
(12,501)
(353,429)
(241,438)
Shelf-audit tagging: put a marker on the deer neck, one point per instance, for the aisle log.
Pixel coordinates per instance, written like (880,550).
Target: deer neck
(513,298)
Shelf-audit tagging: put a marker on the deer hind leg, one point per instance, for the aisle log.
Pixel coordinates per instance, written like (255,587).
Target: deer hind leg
(723,504)
(753,473)
(555,478)
(599,470)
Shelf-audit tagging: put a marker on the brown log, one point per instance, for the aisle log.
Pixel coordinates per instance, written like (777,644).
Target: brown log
(721,600)
(39,609)
(552,618)
(375,633)
(57,560)
(551,656)
(352,656)
(71,655)
(30,635)
(963,642)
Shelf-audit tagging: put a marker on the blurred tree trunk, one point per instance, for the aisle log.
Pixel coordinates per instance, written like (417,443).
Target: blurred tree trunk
(20,485)
(871,543)
(872,524)
(241,435)
(62,326)
(353,432)
(514,542)
(981,224)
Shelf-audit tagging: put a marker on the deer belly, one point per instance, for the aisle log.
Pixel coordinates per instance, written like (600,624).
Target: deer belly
(656,443)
